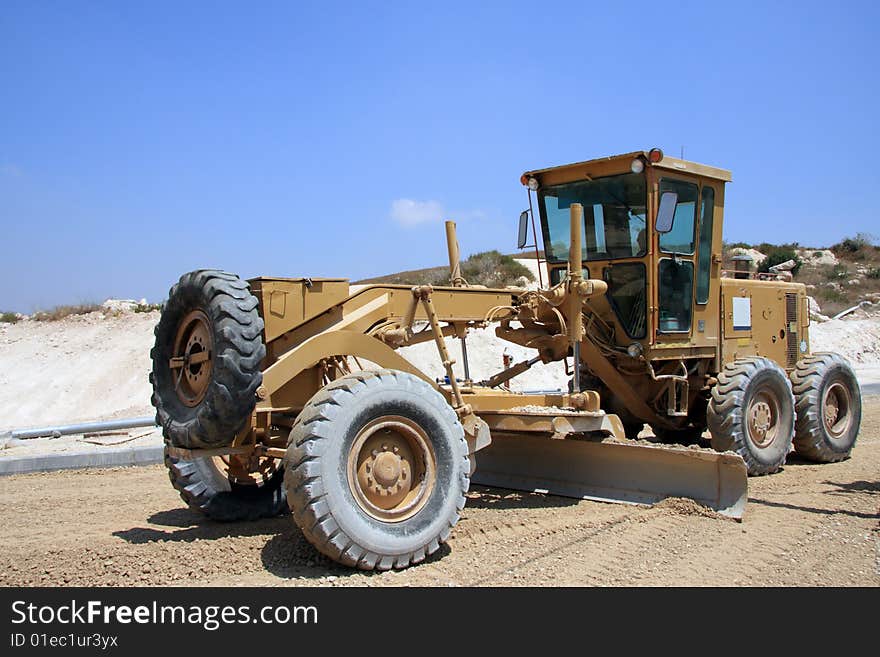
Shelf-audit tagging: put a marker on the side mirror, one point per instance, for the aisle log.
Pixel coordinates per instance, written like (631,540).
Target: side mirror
(523,235)
(666,212)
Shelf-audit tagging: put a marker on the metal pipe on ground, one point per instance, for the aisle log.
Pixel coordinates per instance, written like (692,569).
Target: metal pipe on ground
(846,312)
(85,427)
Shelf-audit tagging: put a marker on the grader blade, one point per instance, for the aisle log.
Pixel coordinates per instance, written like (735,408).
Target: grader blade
(629,473)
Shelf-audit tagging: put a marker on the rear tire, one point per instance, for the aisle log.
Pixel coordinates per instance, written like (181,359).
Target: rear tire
(206,359)
(751,412)
(377,470)
(829,407)
(207,489)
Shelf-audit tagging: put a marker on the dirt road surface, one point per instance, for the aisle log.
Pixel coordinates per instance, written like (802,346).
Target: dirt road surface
(807,525)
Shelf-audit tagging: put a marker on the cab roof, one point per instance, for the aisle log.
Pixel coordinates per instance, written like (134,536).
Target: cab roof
(668,163)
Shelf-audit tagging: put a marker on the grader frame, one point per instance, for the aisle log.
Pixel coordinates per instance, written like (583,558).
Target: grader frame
(301,377)
(560,443)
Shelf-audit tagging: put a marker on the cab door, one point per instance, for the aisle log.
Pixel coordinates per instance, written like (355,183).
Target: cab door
(675,262)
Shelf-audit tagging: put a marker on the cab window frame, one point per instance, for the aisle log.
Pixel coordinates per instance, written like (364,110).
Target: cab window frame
(703,268)
(678,185)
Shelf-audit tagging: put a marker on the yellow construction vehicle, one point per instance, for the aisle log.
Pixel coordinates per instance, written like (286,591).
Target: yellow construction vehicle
(281,393)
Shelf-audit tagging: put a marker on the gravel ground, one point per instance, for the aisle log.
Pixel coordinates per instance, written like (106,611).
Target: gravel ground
(807,525)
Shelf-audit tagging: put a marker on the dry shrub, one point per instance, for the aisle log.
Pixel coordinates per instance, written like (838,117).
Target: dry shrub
(60,312)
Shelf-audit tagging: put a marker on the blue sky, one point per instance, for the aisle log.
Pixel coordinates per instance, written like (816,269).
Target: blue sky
(142,140)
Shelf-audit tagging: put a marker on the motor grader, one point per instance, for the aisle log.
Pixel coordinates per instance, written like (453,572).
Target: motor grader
(289,393)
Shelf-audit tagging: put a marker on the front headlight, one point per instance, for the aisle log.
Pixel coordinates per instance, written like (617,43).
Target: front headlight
(634,350)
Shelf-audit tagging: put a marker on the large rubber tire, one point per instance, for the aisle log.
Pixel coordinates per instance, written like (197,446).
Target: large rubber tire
(742,387)
(237,350)
(205,488)
(320,489)
(818,379)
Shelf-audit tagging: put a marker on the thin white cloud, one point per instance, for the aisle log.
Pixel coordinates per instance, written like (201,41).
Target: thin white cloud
(408,212)
(10,170)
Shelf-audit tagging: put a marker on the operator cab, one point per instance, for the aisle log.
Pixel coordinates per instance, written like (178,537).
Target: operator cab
(651,226)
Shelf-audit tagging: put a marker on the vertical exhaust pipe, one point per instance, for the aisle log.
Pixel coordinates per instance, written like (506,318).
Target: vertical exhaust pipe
(457,280)
(454,264)
(575,278)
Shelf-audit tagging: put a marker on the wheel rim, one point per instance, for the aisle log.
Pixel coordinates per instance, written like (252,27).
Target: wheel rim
(247,471)
(763,419)
(837,410)
(191,361)
(391,468)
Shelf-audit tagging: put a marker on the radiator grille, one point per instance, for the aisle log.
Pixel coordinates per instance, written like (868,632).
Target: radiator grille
(791,324)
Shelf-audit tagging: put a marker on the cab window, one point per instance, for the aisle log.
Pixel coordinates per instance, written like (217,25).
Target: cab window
(704,257)
(675,295)
(681,238)
(615,208)
(556,275)
(626,290)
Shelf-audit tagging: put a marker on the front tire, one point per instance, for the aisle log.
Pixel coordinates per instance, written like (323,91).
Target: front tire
(377,470)
(829,407)
(751,412)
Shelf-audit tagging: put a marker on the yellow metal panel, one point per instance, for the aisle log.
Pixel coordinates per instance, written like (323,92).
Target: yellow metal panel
(684,166)
(769,329)
(286,302)
(493,399)
(333,343)
(361,311)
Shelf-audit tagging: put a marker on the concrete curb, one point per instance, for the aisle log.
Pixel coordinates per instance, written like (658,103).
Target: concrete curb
(109,458)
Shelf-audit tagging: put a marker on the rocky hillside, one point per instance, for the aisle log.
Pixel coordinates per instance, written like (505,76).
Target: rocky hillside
(837,278)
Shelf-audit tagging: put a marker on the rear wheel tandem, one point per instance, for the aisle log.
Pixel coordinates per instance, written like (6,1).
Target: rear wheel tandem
(829,407)
(752,413)
(377,470)
(206,369)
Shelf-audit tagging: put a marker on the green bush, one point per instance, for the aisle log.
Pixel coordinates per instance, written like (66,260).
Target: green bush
(8,318)
(838,272)
(493,269)
(489,268)
(854,247)
(148,307)
(777,255)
